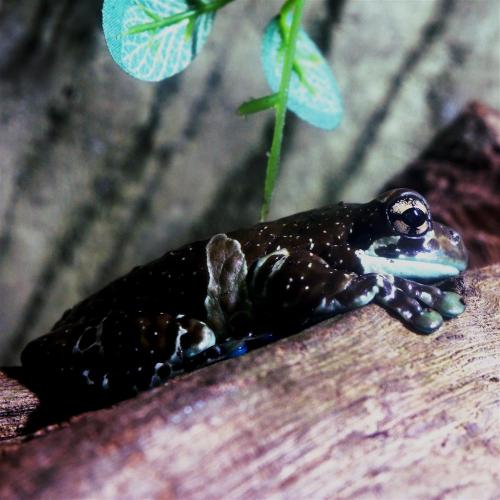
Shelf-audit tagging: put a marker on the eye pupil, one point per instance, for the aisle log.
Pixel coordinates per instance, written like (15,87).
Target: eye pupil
(414,217)
(409,216)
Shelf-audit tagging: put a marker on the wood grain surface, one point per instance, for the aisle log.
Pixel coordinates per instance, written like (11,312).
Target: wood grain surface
(355,407)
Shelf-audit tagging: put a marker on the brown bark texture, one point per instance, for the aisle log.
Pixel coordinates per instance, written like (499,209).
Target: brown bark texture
(355,407)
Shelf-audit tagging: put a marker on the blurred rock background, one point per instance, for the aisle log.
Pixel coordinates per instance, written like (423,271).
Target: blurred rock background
(100,172)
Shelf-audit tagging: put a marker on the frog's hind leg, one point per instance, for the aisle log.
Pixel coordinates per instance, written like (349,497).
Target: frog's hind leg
(158,346)
(119,354)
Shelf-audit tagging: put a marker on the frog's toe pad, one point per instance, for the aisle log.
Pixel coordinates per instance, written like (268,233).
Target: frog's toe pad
(427,321)
(451,305)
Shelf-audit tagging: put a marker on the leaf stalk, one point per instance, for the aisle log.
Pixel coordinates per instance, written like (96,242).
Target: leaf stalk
(260,104)
(159,23)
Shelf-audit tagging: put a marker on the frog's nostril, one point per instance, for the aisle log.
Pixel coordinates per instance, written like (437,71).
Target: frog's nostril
(455,237)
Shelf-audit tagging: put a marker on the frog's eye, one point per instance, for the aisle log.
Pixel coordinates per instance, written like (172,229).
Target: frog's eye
(409,216)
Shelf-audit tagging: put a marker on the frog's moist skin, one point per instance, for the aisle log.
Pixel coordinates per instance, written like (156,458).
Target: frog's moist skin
(212,299)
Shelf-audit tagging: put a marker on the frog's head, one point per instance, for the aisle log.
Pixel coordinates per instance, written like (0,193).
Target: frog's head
(407,242)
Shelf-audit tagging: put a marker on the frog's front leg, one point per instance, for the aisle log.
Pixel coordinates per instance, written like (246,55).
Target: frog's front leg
(292,288)
(295,288)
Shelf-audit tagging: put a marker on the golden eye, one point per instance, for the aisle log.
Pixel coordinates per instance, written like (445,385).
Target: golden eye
(409,216)
(400,206)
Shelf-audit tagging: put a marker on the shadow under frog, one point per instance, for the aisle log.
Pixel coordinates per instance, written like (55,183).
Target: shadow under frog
(216,299)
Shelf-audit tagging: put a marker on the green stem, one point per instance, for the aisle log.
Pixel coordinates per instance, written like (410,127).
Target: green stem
(281,105)
(177,18)
(257,105)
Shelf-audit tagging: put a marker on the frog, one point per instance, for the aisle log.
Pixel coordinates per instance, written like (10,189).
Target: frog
(218,298)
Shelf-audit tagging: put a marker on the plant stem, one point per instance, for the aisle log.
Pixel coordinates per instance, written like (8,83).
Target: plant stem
(257,105)
(281,106)
(177,18)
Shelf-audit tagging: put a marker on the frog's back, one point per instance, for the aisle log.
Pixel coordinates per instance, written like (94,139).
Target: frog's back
(130,332)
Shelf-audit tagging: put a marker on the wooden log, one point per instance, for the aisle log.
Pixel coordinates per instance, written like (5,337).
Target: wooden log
(17,403)
(355,407)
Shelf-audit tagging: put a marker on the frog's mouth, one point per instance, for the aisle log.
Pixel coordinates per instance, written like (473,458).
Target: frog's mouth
(439,254)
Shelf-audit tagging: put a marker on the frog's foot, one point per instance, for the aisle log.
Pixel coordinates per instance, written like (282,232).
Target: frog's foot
(407,298)
(163,346)
(381,288)
(230,348)
(422,307)
(194,347)
(448,304)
